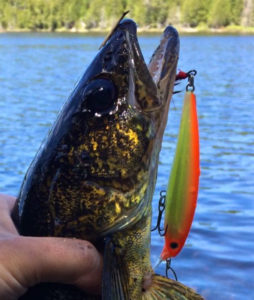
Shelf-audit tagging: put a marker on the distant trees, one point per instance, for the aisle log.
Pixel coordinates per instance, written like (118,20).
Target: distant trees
(226,12)
(195,12)
(86,14)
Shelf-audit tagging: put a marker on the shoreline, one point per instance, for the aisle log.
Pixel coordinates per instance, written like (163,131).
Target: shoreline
(238,30)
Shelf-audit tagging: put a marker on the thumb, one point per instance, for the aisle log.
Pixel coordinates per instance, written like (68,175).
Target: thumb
(48,259)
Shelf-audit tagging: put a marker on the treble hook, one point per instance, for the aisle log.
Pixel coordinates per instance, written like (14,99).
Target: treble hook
(161,208)
(168,267)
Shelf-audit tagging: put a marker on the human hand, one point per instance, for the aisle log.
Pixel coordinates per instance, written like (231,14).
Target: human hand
(26,261)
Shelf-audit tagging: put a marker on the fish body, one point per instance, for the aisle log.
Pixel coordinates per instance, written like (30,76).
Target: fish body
(182,191)
(94,176)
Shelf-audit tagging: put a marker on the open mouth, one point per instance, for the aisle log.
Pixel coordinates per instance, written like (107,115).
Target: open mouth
(157,76)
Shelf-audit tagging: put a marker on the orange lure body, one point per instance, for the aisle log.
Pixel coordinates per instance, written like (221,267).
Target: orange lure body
(182,191)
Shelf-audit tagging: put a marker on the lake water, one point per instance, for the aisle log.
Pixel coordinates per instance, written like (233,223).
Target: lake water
(37,73)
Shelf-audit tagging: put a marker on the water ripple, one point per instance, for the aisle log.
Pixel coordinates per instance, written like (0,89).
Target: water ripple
(38,71)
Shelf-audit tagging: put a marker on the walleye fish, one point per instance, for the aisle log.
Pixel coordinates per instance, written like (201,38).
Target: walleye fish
(94,176)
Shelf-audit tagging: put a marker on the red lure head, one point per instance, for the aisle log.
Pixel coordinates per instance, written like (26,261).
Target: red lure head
(171,248)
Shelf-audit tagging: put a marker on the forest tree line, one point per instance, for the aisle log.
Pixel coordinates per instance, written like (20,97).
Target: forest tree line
(87,14)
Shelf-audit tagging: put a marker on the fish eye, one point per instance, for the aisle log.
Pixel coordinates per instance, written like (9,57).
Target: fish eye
(100,96)
(174,245)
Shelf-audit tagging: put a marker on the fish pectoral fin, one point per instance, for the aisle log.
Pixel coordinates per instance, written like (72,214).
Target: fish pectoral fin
(114,278)
(165,288)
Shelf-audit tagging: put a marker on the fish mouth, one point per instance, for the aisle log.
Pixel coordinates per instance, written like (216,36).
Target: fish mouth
(149,87)
(155,80)
(162,65)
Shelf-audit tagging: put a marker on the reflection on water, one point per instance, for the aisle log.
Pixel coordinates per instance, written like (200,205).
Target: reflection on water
(38,71)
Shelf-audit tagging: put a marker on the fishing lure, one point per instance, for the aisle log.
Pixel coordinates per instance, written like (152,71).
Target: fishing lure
(182,191)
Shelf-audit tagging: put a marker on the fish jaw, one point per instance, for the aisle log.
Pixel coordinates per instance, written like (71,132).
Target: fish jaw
(162,68)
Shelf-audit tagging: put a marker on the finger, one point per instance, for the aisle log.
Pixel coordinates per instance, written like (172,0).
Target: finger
(6,224)
(9,201)
(69,261)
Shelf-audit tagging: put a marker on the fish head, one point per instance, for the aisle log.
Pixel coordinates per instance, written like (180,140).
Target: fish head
(121,106)
(117,92)
(99,163)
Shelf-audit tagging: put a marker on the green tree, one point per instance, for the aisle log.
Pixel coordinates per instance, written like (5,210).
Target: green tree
(138,11)
(8,14)
(174,12)
(195,12)
(95,13)
(157,13)
(54,14)
(220,14)
(236,11)
(113,10)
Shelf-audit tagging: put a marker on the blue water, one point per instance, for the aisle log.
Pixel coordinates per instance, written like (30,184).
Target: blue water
(37,73)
